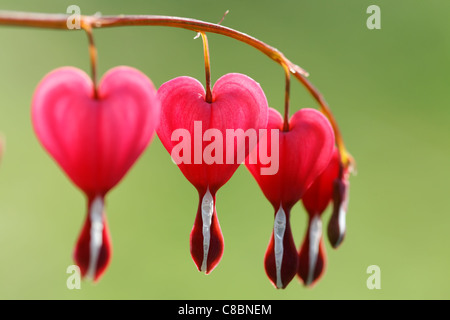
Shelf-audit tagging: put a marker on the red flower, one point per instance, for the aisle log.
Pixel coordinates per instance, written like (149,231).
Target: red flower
(95,141)
(312,256)
(204,155)
(304,152)
(336,225)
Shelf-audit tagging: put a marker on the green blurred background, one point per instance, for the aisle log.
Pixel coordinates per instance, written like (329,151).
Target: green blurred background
(388,88)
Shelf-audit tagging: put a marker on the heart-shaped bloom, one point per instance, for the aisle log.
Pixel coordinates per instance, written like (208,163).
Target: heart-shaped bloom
(312,255)
(207,142)
(95,141)
(304,152)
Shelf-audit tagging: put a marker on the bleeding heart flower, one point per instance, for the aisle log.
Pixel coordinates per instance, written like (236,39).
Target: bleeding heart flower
(312,255)
(95,141)
(304,152)
(238,102)
(336,225)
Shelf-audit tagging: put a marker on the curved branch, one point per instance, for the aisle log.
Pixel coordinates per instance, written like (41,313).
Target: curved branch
(59,21)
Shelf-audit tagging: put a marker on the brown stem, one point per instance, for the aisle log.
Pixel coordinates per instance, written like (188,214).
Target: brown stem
(223,17)
(93,56)
(208,97)
(346,158)
(287,93)
(59,21)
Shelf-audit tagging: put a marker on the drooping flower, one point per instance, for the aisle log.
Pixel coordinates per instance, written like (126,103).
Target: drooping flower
(304,152)
(95,140)
(209,152)
(337,224)
(312,255)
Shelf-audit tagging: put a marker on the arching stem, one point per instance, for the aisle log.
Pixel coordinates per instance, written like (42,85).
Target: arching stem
(59,21)
(346,158)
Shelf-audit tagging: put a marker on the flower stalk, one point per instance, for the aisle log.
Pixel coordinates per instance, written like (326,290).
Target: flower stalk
(59,21)
(208,97)
(92,55)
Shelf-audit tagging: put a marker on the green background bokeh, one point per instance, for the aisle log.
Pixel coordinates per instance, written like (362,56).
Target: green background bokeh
(388,89)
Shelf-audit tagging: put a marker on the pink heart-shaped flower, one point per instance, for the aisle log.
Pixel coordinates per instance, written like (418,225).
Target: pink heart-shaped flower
(195,133)
(304,152)
(95,141)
